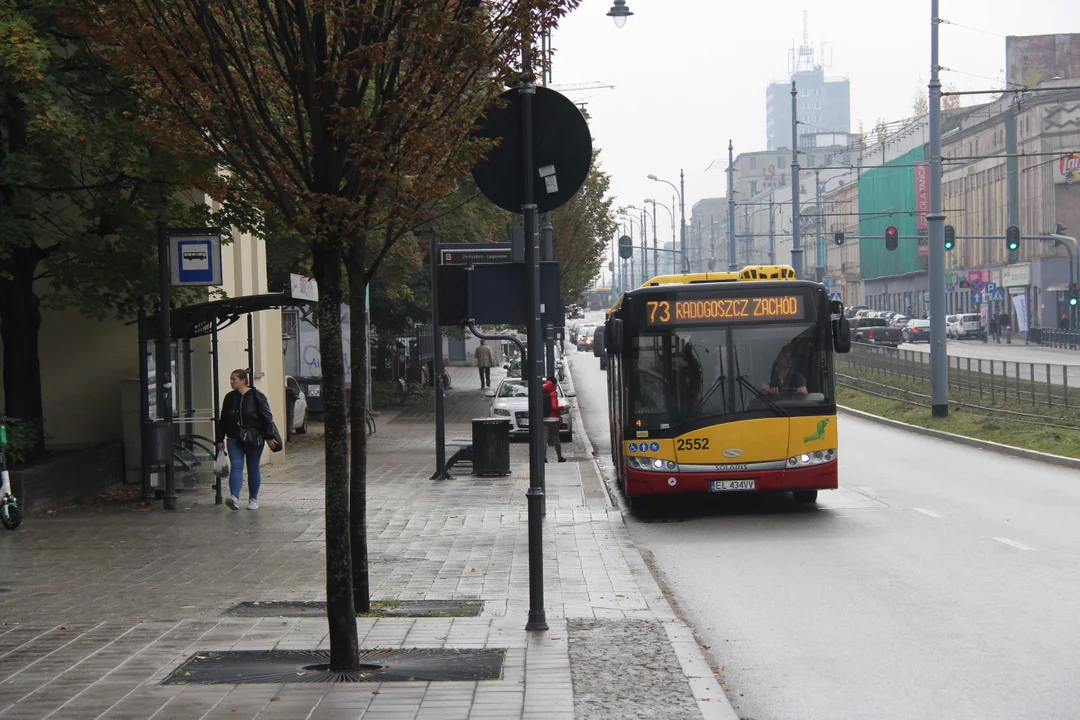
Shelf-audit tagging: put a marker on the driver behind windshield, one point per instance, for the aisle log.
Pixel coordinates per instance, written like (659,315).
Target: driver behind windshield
(785,377)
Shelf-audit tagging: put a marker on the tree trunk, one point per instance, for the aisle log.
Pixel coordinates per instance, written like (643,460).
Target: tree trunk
(20,324)
(340,611)
(358,464)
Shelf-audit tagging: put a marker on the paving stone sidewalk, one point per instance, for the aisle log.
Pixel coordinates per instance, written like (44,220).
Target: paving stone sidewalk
(102,602)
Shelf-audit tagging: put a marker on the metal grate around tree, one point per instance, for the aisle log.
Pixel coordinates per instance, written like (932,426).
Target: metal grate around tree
(253,667)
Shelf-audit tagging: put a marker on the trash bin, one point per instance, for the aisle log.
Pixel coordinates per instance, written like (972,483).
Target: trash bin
(491,446)
(159,449)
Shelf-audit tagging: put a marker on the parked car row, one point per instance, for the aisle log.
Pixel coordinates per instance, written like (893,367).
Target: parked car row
(875,331)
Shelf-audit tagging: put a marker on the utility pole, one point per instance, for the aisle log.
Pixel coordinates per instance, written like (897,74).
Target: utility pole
(796,248)
(732,259)
(772,236)
(748,240)
(712,240)
(939,361)
(644,246)
(682,220)
(820,222)
(655,249)
(532,367)
(700,245)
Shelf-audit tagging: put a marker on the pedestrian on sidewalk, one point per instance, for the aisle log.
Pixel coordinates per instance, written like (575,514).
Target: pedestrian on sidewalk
(552,417)
(246,424)
(484,361)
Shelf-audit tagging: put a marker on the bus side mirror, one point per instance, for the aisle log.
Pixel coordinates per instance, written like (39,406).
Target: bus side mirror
(841,335)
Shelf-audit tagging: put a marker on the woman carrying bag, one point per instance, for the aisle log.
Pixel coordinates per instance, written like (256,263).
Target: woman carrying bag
(246,423)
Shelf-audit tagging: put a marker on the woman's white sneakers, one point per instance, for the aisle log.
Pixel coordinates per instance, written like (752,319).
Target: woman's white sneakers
(234,503)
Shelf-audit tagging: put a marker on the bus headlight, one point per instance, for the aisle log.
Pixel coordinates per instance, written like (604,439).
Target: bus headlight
(818,457)
(652,464)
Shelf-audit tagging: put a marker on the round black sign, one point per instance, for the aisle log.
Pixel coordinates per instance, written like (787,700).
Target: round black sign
(626,247)
(562,152)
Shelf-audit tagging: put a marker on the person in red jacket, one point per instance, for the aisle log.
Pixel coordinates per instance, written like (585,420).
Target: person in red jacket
(552,417)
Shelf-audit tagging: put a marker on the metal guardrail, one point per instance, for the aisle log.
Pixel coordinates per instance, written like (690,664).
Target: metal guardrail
(999,382)
(1055,338)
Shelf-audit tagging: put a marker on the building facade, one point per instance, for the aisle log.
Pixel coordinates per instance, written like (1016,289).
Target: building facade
(824,106)
(706,236)
(1035,189)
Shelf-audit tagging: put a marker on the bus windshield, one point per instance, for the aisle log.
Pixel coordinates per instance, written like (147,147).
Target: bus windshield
(684,375)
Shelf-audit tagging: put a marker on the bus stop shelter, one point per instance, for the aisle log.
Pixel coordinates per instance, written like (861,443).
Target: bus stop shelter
(180,444)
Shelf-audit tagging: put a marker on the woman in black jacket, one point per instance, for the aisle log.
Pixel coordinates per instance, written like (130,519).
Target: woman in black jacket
(246,423)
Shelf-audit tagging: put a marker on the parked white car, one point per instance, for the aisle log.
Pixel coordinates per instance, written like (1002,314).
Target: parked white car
(511,400)
(299,418)
(967,325)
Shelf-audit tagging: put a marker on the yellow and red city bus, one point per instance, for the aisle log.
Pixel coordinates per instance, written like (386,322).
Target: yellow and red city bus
(599,298)
(723,382)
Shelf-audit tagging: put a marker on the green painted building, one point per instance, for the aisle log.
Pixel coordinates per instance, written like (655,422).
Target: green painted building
(889,188)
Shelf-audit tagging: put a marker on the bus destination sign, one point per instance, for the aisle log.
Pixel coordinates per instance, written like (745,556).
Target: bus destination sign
(701,309)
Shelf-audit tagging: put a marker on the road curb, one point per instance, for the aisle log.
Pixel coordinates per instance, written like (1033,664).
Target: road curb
(1012,450)
(709,694)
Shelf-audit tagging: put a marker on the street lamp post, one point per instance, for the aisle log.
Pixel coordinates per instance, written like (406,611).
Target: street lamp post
(641,224)
(733,263)
(619,12)
(681,192)
(645,241)
(671,214)
(939,361)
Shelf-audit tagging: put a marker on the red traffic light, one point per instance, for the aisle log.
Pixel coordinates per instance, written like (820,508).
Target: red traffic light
(892,238)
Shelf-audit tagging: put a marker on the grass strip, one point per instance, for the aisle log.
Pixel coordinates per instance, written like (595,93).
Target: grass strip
(1057,441)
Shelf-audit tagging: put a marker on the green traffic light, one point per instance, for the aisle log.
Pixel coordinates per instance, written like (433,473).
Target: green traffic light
(1073,300)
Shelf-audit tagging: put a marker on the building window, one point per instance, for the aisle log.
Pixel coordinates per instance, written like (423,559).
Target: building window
(753,163)
(753,189)
(780,160)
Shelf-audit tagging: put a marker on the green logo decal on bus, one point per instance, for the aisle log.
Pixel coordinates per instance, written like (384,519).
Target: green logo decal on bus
(820,434)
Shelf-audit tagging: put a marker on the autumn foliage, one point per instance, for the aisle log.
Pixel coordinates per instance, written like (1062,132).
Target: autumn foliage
(350,120)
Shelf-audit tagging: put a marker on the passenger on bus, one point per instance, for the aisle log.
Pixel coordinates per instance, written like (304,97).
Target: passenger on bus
(784,376)
(688,374)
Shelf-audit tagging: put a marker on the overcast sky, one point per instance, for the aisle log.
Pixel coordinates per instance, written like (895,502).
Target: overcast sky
(690,74)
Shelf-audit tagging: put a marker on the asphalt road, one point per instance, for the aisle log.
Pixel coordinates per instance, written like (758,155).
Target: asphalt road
(938,582)
(1016,352)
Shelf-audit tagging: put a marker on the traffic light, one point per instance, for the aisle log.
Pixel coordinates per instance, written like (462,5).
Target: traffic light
(892,238)
(1012,238)
(712,264)
(950,237)
(1074,295)
(838,238)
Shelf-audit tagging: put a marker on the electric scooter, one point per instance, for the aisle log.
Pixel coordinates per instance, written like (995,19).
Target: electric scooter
(10,514)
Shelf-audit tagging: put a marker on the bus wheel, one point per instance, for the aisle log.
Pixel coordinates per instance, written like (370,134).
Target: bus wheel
(805,497)
(636,505)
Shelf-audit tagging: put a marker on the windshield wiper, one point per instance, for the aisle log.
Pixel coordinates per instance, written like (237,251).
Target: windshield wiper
(765,398)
